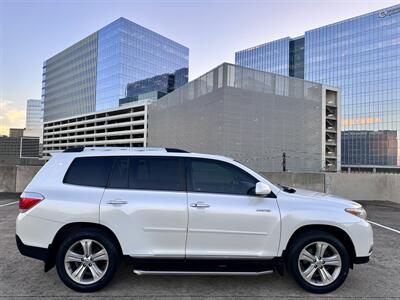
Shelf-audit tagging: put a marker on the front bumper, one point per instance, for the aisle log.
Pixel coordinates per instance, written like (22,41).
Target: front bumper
(361,260)
(362,237)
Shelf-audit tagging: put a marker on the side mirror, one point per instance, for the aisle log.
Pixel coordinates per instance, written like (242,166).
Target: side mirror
(262,189)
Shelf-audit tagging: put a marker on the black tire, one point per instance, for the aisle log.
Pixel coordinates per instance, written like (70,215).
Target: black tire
(104,240)
(308,238)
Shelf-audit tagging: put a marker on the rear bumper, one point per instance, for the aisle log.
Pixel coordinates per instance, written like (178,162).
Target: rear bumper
(31,251)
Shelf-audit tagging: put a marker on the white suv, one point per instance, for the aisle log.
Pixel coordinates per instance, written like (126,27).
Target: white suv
(166,211)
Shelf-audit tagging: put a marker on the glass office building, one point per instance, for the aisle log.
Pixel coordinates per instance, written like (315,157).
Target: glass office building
(361,56)
(94,74)
(34,114)
(269,57)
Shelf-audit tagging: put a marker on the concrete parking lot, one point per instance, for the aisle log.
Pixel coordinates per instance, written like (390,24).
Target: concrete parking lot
(24,277)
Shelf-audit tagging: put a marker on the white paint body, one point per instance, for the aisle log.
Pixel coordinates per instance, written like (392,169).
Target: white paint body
(164,224)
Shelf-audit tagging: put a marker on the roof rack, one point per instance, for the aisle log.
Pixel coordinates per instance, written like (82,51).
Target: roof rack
(124,149)
(74,149)
(80,149)
(175,150)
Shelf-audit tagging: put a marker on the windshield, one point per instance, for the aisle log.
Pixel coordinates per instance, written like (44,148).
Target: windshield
(282,187)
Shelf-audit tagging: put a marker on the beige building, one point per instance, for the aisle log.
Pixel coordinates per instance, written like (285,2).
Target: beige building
(125,126)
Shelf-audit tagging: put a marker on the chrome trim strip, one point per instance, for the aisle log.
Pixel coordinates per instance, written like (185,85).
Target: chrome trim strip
(141,272)
(205,257)
(163,229)
(157,255)
(227,231)
(193,256)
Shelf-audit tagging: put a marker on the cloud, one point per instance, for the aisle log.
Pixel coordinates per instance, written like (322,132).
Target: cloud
(3,104)
(10,116)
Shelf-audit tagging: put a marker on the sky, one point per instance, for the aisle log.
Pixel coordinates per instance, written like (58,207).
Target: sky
(33,31)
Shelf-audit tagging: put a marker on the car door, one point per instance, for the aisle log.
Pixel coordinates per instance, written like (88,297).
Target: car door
(226,218)
(145,205)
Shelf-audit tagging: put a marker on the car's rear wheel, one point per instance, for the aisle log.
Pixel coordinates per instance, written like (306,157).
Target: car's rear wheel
(87,260)
(318,261)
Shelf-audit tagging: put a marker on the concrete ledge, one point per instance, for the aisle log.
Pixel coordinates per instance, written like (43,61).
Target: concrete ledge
(384,187)
(14,178)
(381,187)
(7,178)
(310,181)
(24,175)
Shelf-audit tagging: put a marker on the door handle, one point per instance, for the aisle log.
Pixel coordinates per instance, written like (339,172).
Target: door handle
(199,205)
(117,202)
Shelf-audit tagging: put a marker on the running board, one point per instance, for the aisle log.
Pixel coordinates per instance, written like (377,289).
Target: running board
(142,272)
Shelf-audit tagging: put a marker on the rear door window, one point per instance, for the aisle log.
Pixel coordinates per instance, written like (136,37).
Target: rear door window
(119,174)
(157,173)
(89,171)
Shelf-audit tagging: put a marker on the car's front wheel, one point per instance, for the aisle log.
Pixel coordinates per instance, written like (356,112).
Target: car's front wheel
(87,260)
(318,261)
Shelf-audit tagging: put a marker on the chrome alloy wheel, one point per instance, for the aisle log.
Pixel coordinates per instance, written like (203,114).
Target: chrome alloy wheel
(319,263)
(86,261)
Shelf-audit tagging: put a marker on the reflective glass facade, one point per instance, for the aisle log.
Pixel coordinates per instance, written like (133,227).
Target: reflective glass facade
(296,58)
(69,80)
(270,57)
(361,56)
(94,74)
(34,114)
(129,53)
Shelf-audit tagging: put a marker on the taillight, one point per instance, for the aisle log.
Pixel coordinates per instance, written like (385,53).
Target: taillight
(29,200)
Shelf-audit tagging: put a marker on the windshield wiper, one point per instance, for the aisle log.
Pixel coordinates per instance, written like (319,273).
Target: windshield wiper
(287,189)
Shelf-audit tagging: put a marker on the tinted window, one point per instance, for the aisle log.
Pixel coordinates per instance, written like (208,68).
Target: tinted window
(210,176)
(119,173)
(156,173)
(90,171)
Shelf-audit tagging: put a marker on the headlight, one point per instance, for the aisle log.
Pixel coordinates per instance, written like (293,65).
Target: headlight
(357,211)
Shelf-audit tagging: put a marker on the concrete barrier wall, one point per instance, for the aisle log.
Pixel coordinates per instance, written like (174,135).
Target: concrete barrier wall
(14,179)
(384,187)
(310,181)
(7,179)
(24,175)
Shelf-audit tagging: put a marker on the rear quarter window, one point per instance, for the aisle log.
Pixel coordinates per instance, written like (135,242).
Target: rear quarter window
(89,171)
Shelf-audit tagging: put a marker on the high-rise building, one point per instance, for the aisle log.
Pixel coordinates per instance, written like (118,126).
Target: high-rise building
(361,56)
(94,73)
(34,118)
(270,57)
(34,114)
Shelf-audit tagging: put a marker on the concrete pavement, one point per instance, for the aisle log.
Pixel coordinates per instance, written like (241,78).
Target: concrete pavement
(24,277)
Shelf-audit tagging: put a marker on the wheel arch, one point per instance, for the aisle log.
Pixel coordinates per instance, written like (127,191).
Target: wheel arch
(73,227)
(338,232)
